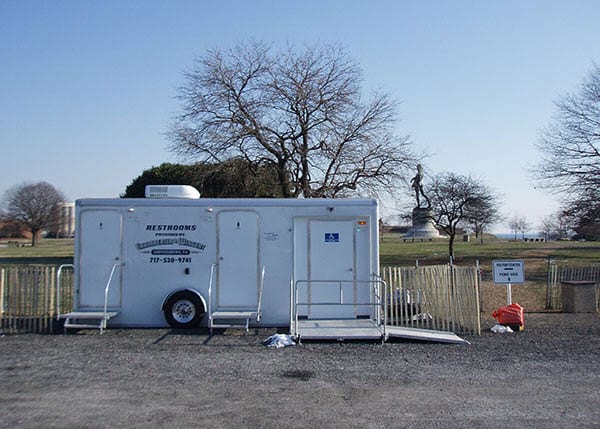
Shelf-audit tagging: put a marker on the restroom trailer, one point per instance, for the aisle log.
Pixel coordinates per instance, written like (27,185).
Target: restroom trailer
(174,259)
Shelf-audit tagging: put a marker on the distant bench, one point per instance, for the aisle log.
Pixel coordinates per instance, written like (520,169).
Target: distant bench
(17,244)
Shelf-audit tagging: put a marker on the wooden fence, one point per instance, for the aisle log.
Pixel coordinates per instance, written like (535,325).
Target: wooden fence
(440,297)
(562,272)
(28,298)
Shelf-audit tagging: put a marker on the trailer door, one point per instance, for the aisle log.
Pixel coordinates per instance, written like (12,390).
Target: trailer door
(238,260)
(331,269)
(100,248)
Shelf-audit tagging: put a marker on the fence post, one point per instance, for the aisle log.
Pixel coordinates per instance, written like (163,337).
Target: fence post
(2,321)
(1,291)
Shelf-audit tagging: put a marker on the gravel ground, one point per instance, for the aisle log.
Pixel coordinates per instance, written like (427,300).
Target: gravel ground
(545,376)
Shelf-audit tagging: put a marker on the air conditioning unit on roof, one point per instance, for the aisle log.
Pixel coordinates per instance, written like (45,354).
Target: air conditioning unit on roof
(172,191)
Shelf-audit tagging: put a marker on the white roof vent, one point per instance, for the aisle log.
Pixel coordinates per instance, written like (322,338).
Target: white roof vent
(172,191)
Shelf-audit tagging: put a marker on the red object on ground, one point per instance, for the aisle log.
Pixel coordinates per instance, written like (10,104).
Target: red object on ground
(512,314)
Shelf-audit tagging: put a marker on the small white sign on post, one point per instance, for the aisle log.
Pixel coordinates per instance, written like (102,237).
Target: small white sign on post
(507,272)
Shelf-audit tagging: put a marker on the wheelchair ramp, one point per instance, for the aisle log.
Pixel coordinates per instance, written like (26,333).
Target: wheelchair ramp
(338,329)
(423,335)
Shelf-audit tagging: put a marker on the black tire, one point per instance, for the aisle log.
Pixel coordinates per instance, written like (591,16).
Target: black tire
(184,310)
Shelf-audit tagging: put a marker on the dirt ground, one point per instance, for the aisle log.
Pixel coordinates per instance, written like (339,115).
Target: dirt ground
(546,376)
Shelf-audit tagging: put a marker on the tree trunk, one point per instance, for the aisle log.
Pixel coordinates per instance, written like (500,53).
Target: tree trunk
(34,235)
(451,246)
(284,182)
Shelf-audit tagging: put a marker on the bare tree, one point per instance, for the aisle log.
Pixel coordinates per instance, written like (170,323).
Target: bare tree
(302,112)
(570,145)
(456,200)
(555,226)
(484,212)
(583,214)
(33,207)
(519,224)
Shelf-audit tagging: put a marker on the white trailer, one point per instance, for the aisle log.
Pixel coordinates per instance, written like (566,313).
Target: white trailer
(172,260)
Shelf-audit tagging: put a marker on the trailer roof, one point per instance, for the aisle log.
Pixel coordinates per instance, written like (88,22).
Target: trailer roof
(224,202)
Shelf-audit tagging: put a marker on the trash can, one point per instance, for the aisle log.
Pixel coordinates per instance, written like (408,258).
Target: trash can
(578,296)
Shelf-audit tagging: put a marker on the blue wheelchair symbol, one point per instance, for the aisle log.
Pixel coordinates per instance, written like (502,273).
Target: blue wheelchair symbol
(332,237)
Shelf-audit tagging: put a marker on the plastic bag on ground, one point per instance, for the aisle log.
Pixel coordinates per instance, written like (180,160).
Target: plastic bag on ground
(501,329)
(279,341)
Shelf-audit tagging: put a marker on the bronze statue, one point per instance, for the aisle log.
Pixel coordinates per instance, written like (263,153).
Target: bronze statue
(417,184)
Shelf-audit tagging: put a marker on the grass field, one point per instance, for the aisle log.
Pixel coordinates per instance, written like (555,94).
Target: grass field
(394,251)
(46,248)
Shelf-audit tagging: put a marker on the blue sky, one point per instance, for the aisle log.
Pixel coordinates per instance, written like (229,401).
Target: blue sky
(87,88)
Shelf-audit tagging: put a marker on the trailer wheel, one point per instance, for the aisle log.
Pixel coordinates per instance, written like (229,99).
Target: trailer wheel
(184,310)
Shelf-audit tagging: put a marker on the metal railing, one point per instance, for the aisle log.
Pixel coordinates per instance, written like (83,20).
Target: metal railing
(374,303)
(562,271)
(260,292)
(210,287)
(58,290)
(106,290)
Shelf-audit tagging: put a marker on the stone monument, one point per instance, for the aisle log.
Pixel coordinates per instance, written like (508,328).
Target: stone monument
(422,223)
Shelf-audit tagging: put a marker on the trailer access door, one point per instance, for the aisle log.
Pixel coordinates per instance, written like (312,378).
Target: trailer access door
(238,260)
(100,239)
(328,275)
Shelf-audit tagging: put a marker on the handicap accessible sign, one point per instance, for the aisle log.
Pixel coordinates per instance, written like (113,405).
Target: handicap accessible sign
(332,237)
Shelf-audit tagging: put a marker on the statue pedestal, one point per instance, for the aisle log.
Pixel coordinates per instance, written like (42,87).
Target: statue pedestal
(423,227)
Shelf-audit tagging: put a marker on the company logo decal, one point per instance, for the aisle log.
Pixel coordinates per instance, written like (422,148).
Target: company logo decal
(170,245)
(170,241)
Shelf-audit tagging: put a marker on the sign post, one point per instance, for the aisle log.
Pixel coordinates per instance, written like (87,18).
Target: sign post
(508,272)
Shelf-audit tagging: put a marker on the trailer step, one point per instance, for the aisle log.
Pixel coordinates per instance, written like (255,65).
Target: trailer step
(238,319)
(85,319)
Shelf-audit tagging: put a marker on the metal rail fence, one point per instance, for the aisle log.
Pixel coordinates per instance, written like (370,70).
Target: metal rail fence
(440,297)
(562,271)
(28,298)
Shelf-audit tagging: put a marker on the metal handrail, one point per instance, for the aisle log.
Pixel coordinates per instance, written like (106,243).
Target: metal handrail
(292,308)
(210,285)
(106,290)
(378,281)
(58,273)
(260,294)
(375,300)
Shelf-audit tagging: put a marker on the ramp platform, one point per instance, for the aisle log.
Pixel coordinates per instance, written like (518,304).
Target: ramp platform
(338,329)
(423,335)
(367,329)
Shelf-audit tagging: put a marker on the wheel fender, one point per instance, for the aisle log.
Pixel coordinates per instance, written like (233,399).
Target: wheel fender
(195,292)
